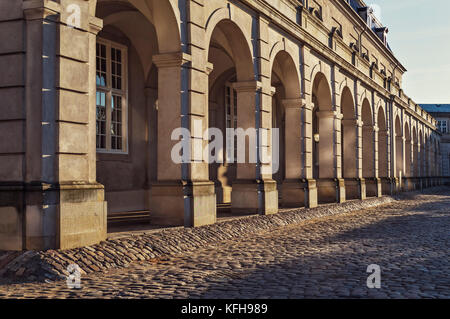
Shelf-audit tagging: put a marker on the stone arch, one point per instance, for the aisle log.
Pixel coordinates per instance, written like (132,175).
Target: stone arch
(231,104)
(162,14)
(321,93)
(228,37)
(286,117)
(284,67)
(147,29)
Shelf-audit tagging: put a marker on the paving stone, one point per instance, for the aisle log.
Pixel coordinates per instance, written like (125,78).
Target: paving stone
(307,256)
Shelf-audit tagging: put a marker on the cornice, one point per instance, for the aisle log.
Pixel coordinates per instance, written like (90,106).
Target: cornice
(40,9)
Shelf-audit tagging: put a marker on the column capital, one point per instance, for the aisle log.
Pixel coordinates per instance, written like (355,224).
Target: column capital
(273,90)
(247,86)
(209,68)
(293,103)
(170,60)
(95,25)
(40,9)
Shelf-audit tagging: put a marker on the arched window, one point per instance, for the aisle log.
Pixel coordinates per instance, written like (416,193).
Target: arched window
(111,95)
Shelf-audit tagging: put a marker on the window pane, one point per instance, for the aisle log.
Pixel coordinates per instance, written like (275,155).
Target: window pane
(116,122)
(109,66)
(101,120)
(116,68)
(101,65)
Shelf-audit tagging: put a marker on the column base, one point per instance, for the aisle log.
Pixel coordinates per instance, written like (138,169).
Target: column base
(396,185)
(372,187)
(293,193)
(386,186)
(331,190)
(410,184)
(311,197)
(355,188)
(39,216)
(189,204)
(254,196)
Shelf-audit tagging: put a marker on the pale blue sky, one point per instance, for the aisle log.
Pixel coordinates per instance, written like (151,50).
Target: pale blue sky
(419,36)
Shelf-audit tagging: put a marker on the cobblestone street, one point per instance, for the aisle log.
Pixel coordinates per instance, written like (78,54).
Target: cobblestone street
(320,258)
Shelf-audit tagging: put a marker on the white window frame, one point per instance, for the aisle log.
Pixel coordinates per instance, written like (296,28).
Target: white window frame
(123,93)
(232,107)
(441,126)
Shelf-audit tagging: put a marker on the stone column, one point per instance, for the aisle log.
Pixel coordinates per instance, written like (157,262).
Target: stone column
(369,160)
(293,187)
(151,95)
(383,161)
(311,196)
(55,201)
(330,186)
(419,164)
(252,191)
(182,193)
(410,163)
(379,191)
(350,159)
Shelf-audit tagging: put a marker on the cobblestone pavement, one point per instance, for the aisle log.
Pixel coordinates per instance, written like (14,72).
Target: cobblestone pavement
(324,257)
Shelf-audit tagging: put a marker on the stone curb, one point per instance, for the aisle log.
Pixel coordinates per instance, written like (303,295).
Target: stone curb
(33,266)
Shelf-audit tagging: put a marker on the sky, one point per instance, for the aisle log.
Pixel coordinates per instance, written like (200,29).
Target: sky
(419,36)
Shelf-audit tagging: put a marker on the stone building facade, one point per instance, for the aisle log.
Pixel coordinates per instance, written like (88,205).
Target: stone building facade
(441,112)
(92,90)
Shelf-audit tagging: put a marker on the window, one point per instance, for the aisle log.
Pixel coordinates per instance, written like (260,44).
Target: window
(316,9)
(231,115)
(111,96)
(338,27)
(442,126)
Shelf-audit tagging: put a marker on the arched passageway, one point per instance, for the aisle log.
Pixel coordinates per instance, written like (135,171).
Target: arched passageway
(127,93)
(286,117)
(399,164)
(349,135)
(383,159)
(408,151)
(323,134)
(416,159)
(231,105)
(422,155)
(368,149)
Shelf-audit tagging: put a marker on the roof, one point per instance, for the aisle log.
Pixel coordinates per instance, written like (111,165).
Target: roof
(436,108)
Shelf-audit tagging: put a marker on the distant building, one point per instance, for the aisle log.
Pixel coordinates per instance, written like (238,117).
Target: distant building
(441,112)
